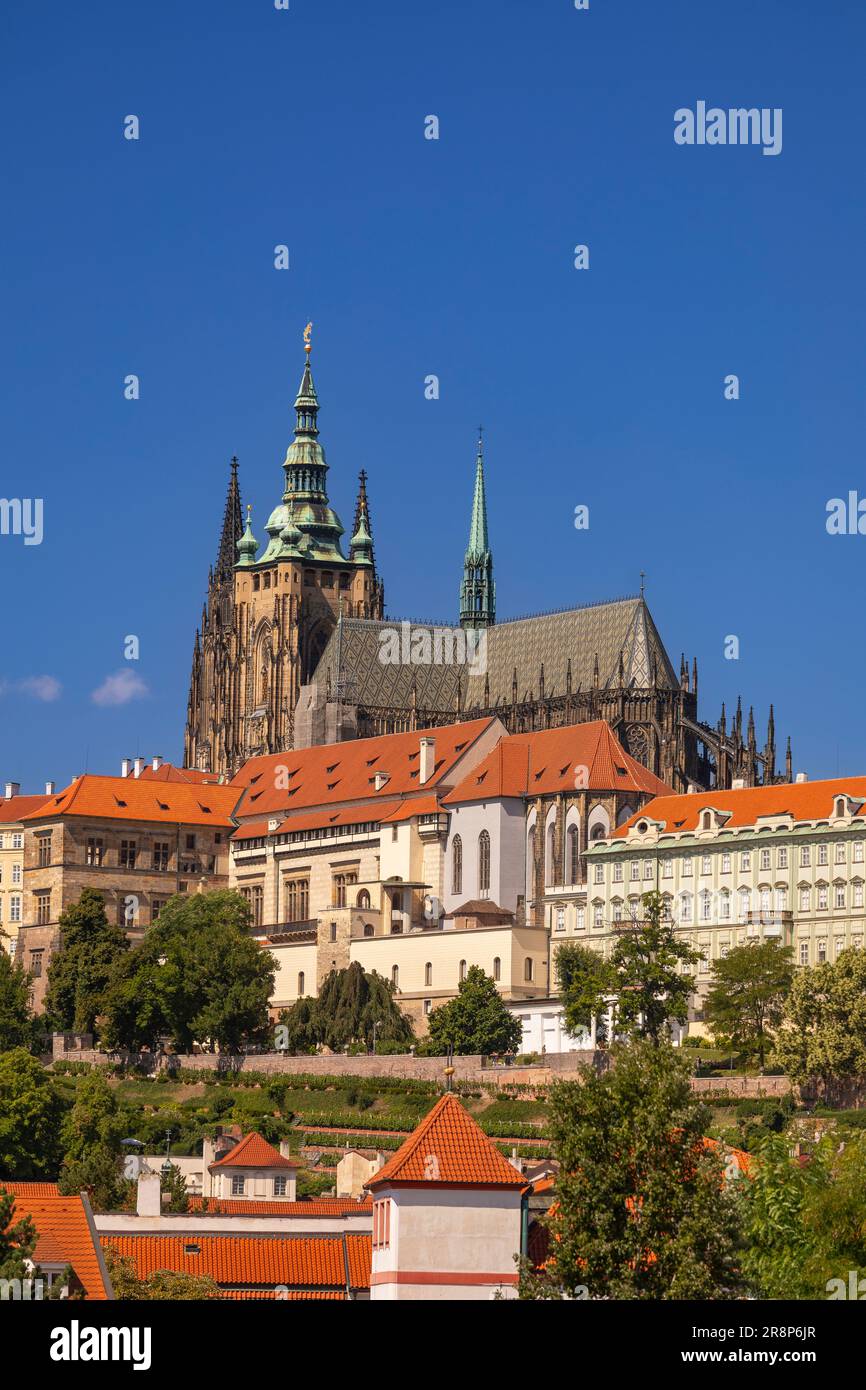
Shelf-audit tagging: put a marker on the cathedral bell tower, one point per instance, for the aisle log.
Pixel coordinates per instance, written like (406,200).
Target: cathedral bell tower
(268,617)
(478,591)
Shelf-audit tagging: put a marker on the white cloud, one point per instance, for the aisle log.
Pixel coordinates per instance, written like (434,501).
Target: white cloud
(45,688)
(120,688)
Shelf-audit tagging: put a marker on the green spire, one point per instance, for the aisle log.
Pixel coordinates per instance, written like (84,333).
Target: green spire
(478,591)
(247,545)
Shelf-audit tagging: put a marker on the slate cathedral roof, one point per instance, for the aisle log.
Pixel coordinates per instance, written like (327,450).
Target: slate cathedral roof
(602,630)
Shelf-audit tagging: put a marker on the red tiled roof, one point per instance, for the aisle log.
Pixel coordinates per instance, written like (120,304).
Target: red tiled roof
(420,806)
(291,1296)
(448,1147)
(66,1235)
(742,1159)
(373,812)
(334,773)
(312,1261)
(124,798)
(551,761)
(803,801)
(15,808)
(314,1206)
(31,1189)
(253,830)
(167,772)
(254,1152)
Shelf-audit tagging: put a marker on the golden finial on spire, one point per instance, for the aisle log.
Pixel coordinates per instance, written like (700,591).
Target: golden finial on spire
(308,332)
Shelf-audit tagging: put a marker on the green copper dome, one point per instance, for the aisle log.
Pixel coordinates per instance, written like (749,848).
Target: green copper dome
(247,545)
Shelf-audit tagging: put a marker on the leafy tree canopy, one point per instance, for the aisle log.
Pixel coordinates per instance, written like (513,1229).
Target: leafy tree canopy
(162,1284)
(746,1000)
(79,973)
(16,1017)
(352,1007)
(823,1027)
(198,976)
(647,963)
(643,1210)
(585,979)
(475,1021)
(17,1239)
(30,1114)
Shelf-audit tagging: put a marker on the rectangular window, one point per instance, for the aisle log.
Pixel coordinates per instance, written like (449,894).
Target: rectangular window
(688,868)
(94,853)
(560,919)
(858,894)
(238,1185)
(634,871)
(805,899)
(127,854)
(805,856)
(840,895)
(822,898)
(765,859)
(783,857)
(822,952)
(16,873)
(297,899)
(14,908)
(44,851)
(706,864)
(746,861)
(598,915)
(160,855)
(726,862)
(43,908)
(599,873)
(668,868)
(279,1187)
(257,904)
(36,964)
(804,953)
(581,918)
(18,840)
(841,857)
(190,842)
(858,852)
(617,872)
(340,886)
(822,854)
(647,868)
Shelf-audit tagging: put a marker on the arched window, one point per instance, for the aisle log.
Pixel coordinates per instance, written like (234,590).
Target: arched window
(428,973)
(529,969)
(484,862)
(550,855)
(497,967)
(396,902)
(363,898)
(573,854)
(369,930)
(395,976)
(457,865)
(462,970)
(597,832)
(530,864)
(300,983)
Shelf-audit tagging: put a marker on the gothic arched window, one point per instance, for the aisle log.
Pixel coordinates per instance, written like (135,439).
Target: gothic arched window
(484,862)
(457,865)
(573,856)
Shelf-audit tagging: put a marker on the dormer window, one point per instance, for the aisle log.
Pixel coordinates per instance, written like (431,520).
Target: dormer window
(642,827)
(841,807)
(707,820)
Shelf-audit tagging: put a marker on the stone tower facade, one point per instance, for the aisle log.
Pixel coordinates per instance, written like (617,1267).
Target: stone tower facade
(268,617)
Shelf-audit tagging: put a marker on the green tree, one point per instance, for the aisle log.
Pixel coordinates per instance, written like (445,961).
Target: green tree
(17,1239)
(747,996)
(30,1114)
(823,1029)
(161,1284)
(198,976)
(16,1017)
(79,973)
(646,963)
(585,979)
(806,1223)
(643,1210)
(353,1006)
(172,1181)
(475,1021)
(91,1135)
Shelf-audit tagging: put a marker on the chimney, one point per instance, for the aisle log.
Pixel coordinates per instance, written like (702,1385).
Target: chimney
(124,768)
(428,760)
(285,1148)
(147,1200)
(157,762)
(738,784)
(380,780)
(12,789)
(49,788)
(801,777)
(137,767)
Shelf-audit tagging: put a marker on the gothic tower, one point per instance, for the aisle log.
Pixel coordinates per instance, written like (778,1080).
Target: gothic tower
(478,591)
(268,617)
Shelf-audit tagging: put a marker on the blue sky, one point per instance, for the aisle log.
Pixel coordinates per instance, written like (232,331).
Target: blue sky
(455,257)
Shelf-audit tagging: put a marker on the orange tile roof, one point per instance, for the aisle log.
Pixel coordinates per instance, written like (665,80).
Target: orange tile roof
(124,798)
(548,761)
(167,772)
(66,1236)
(31,1189)
(311,1261)
(803,801)
(253,830)
(254,1152)
(15,808)
(313,1206)
(341,772)
(372,812)
(448,1147)
(420,806)
(291,1296)
(742,1159)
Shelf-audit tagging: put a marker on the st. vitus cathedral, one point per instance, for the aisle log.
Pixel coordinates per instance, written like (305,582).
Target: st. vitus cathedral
(290,650)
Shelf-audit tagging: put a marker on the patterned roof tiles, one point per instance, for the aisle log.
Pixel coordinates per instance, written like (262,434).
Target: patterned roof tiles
(254,1152)
(448,1147)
